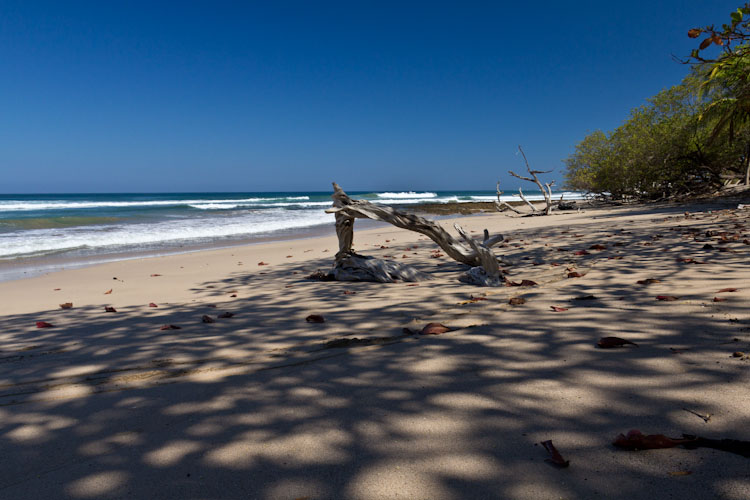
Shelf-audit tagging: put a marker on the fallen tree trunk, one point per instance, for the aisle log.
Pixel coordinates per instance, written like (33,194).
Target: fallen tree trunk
(349,264)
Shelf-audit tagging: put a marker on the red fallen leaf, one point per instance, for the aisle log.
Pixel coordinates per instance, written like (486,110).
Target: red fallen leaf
(225,315)
(555,264)
(207,319)
(404,256)
(66,305)
(56,289)
(288,286)
(512,283)
(516,301)
(170,327)
(610,342)
(110,309)
(261,263)
(597,247)
(581,252)
(727,290)
(44,324)
(350,292)
(315,318)
(435,255)
(413,284)
(575,274)
(289,256)
(668,298)
(108,292)
(233,295)
(555,457)
(559,309)
(434,329)
(719,299)
(636,440)
(383,247)
(528,283)
(155,275)
(648,281)
(151,304)
(689,260)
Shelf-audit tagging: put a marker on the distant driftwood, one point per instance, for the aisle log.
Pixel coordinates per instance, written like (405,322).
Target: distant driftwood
(545,188)
(350,266)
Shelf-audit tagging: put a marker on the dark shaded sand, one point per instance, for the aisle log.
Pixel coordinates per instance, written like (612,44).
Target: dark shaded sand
(263,404)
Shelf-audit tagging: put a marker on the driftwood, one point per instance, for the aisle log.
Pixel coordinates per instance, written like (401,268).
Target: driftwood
(545,188)
(350,266)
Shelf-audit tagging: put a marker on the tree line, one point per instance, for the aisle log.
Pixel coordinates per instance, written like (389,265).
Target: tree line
(687,139)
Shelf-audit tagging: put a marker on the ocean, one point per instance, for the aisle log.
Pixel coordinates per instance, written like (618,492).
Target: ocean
(39,233)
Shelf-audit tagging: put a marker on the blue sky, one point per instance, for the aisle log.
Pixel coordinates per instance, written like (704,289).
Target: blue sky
(262,96)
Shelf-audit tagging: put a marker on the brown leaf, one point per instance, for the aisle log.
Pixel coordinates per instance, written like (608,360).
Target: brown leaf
(597,247)
(648,281)
(207,319)
(720,299)
(516,301)
(44,324)
(151,304)
(558,308)
(225,315)
(581,252)
(434,329)
(680,473)
(155,275)
(261,263)
(66,305)
(694,33)
(108,292)
(170,327)
(528,283)
(636,440)
(705,43)
(315,318)
(575,274)
(667,298)
(727,290)
(555,457)
(349,292)
(110,309)
(610,342)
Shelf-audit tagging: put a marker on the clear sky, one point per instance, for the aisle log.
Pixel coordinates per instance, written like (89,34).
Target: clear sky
(128,96)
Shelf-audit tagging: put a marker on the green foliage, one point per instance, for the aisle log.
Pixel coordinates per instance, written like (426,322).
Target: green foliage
(687,138)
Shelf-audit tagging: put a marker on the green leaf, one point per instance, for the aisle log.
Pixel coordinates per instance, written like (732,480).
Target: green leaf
(736,17)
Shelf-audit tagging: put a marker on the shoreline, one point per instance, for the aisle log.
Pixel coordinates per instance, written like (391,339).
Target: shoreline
(257,401)
(28,267)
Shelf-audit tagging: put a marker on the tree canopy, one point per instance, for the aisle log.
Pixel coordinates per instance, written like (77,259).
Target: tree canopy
(687,138)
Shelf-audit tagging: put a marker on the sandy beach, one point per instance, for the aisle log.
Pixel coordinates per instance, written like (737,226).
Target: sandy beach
(261,404)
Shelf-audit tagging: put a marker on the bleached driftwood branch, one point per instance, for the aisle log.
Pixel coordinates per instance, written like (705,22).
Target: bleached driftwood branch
(545,188)
(467,252)
(502,205)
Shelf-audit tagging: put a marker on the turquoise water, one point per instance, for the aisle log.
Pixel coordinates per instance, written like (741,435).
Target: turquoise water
(82,226)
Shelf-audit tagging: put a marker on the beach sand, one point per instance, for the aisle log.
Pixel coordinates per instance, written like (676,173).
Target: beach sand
(258,405)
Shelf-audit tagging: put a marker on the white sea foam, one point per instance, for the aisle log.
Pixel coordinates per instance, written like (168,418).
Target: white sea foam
(110,238)
(20,205)
(408,194)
